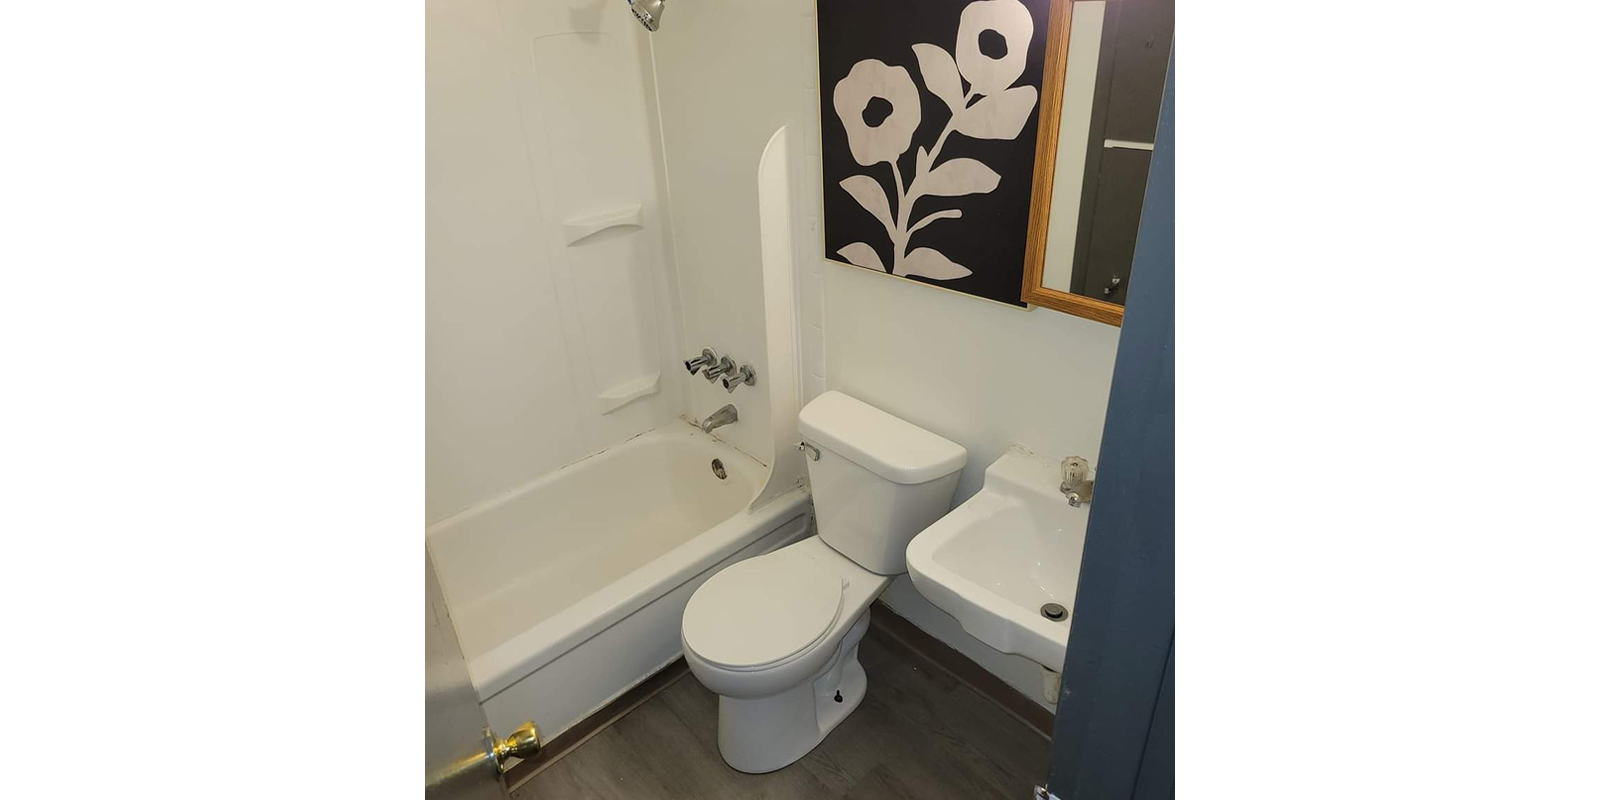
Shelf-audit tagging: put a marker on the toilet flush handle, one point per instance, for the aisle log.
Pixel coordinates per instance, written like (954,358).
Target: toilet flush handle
(810,450)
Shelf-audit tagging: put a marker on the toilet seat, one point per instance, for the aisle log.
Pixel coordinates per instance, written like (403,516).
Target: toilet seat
(762,612)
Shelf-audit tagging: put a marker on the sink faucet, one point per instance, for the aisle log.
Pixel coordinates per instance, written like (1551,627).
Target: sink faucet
(720,417)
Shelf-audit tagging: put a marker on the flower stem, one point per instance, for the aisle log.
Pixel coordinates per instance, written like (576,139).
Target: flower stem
(908,198)
(902,211)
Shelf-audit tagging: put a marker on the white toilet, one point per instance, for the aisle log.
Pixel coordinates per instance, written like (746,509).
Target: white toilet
(776,636)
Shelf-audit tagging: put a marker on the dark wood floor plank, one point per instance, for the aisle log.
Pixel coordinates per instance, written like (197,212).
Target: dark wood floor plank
(696,707)
(603,768)
(671,752)
(828,772)
(1008,748)
(885,736)
(965,727)
(791,783)
(865,739)
(918,733)
(900,632)
(880,784)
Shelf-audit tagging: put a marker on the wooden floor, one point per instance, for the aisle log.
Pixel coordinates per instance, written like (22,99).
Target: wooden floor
(919,733)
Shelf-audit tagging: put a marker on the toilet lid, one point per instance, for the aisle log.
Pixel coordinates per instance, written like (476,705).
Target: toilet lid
(762,611)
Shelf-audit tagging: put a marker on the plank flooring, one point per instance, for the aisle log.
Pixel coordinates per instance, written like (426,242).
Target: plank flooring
(918,733)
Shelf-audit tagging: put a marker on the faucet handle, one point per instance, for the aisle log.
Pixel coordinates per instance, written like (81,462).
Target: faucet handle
(706,359)
(1075,470)
(1077,481)
(722,367)
(746,376)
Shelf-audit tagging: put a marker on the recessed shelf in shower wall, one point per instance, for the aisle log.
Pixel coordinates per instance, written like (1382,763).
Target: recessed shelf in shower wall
(579,228)
(618,396)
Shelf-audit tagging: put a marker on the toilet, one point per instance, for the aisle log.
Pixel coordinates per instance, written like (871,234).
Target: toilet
(776,636)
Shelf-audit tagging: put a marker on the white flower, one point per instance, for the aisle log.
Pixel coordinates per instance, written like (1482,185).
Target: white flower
(1010,19)
(889,139)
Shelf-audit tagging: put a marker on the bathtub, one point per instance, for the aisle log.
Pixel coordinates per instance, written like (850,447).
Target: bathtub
(569,591)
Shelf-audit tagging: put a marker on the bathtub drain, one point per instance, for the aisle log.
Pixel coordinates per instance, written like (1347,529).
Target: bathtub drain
(718,470)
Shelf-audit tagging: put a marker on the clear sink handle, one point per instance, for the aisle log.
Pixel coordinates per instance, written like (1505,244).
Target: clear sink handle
(1077,481)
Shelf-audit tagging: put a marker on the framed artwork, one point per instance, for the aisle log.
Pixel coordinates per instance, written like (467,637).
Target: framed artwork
(929,124)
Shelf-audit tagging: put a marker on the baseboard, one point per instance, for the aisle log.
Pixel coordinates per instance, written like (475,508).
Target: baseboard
(958,666)
(586,729)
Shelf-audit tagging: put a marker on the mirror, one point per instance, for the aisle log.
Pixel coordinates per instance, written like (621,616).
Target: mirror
(1105,65)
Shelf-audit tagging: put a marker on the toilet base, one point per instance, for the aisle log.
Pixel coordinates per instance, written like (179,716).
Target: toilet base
(763,734)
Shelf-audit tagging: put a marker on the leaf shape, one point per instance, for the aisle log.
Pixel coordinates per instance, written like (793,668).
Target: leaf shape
(999,116)
(923,161)
(861,254)
(870,195)
(932,264)
(949,213)
(957,177)
(940,74)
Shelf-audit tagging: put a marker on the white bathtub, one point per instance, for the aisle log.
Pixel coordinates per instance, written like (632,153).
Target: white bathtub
(570,590)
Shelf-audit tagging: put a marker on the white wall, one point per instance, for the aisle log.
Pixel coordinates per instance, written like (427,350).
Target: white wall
(538,113)
(715,61)
(976,372)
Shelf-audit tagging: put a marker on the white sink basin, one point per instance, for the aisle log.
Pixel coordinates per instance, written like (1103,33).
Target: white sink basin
(996,559)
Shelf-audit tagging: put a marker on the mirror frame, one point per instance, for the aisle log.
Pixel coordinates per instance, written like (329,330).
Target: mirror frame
(1044,177)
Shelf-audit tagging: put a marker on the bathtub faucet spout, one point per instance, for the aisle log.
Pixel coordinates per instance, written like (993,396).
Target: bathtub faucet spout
(721,417)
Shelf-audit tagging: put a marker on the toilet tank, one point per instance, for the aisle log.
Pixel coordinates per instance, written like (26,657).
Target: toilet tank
(878,480)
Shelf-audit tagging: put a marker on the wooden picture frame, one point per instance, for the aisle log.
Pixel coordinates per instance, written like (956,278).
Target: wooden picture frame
(1044,172)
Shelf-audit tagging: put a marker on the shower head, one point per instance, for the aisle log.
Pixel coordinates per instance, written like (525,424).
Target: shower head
(648,12)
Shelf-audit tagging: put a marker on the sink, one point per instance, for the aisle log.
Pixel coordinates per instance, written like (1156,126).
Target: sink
(995,560)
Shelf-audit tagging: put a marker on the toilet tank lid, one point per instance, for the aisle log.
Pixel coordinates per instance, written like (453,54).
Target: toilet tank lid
(879,441)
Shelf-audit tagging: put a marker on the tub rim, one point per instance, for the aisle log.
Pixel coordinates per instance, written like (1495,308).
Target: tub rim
(525,653)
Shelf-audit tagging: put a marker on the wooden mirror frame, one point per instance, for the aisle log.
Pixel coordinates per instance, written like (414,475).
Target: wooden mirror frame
(1044,177)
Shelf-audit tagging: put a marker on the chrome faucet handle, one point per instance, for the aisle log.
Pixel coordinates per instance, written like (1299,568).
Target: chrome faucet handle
(706,359)
(722,367)
(746,376)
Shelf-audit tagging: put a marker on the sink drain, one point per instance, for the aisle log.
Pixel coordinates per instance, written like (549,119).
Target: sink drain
(718,470)
(1054,611)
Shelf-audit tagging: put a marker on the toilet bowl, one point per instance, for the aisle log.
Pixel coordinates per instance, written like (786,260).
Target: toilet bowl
(776,636)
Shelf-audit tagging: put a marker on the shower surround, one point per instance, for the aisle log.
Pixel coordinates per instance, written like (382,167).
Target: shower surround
(572,507)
